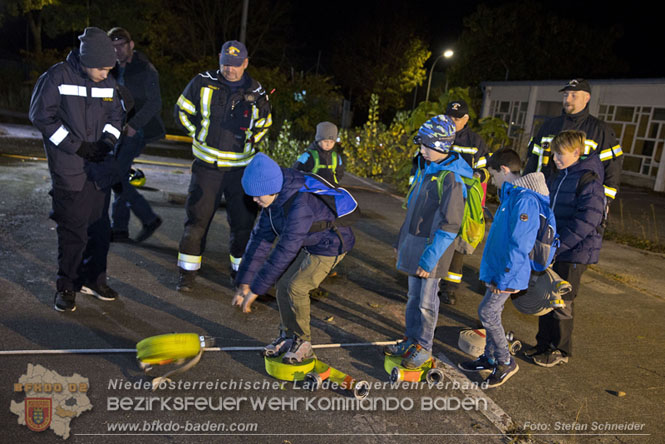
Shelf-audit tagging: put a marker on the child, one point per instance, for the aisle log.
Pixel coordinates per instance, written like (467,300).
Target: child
(300,259)
(578,201)
(320,158)
(505,267)
(427,237)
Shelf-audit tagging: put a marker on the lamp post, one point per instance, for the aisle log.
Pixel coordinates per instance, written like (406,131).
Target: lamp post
(448,53)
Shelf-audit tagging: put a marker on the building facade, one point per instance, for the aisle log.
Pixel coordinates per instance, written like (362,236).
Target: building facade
(635,109)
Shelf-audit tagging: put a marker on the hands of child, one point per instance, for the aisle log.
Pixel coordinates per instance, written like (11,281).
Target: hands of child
(244,298)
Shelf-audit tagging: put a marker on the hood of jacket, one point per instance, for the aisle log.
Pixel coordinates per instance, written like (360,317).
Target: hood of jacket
(453,163)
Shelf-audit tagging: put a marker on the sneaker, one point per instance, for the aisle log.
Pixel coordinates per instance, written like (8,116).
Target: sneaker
(416,357)
(502,373)
(101,291)
(278,346)
(479,365)
(299,351)
(186,281)
(550,359)
(398,349)
(148,229)
(120,236)
(64,301)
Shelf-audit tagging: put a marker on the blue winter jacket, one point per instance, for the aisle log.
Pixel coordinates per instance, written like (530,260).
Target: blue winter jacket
(578,212)
(262,265)
(505,261)
(427,237)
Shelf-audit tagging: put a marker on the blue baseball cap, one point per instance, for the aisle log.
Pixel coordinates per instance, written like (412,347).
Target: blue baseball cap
(234,53)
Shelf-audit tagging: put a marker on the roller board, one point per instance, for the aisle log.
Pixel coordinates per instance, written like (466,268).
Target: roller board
(174,348)
(472,342)
(431,371)
(313,373)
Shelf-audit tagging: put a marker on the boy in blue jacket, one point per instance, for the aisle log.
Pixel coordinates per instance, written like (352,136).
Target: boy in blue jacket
(300,260)
(505,267)
(428,236)
(578,200)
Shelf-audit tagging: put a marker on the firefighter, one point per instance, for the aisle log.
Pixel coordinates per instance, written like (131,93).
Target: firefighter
(226,113)
(600,138)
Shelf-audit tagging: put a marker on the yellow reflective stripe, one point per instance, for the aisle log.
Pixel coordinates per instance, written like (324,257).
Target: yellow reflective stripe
(589,146)
(465,149)
(191,128)
(546,160)
(453,277)
(186,105)
(481,163)
(259,136)
(206,97)
(218,154)
(617,150)
(235,262)
(610,192)
(189,262)
(605,154)
(537,150)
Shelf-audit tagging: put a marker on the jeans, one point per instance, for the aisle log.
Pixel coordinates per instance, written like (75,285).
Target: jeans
(489,311)
(422,310)
(304,274)
(129,199)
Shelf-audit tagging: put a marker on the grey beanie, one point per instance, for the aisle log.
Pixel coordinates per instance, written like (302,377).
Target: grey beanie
(96,50)
(325,131)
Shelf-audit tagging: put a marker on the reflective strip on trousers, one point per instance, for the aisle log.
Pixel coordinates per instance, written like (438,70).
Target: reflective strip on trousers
(189,262)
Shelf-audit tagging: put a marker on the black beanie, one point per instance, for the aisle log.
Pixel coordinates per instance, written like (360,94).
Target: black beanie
(96,49)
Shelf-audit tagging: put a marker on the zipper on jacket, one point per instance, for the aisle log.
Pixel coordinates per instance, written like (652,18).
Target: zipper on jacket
(271,224)
(565,174)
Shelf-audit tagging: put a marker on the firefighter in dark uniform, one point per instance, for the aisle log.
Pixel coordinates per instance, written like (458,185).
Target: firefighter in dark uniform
(601,140)
(76,107)
(226,113)
(473,149)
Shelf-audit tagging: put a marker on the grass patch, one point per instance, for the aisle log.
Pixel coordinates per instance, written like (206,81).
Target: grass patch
(634,241)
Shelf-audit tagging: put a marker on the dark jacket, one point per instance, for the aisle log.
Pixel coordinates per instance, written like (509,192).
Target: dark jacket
(428,234)
(261,267)
(471,147)
(578,211)
(69,108)
(142,80)
(224,123)
(326,168)
(601,142)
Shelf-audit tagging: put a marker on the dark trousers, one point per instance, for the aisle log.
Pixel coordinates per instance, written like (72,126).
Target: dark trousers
(555,329)
(83,231)
(129,198)
(205,191)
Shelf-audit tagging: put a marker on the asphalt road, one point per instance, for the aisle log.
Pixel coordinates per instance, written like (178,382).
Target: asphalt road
(619,339)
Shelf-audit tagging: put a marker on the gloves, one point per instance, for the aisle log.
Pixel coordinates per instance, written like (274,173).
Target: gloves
(93,151)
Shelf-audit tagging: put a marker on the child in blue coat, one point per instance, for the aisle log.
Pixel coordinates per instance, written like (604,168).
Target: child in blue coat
(505,267)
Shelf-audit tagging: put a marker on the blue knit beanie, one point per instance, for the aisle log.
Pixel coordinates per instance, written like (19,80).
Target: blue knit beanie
(262,176)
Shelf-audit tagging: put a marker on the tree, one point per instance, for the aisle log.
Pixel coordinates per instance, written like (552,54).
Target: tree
(522,40)
(32,11)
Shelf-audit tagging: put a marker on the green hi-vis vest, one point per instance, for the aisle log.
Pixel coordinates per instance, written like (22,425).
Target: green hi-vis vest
(318,165)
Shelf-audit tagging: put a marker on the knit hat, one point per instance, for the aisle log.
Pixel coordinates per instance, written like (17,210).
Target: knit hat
(96,50)
(262,176)
(233,53)
(326,131)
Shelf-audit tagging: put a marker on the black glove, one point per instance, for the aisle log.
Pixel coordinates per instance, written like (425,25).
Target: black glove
(92,151)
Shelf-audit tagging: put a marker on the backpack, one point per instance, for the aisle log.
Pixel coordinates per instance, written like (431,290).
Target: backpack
(339,200)
(472,230)
(547,240)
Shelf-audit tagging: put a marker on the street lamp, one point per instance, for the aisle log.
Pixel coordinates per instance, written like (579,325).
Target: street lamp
(448,53)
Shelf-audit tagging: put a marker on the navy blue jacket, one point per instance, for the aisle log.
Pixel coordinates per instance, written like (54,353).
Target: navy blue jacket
(261,267)
(578,212)
(69,108)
